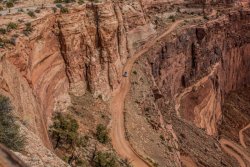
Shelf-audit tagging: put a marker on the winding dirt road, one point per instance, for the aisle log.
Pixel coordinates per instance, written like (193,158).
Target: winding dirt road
(238,152)
(120,144)
(241,135)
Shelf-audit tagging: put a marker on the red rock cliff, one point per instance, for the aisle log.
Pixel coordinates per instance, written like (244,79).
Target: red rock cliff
(201,65)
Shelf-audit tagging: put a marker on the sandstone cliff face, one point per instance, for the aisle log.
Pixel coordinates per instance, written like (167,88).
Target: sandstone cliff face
(189,73)
(37,61)
(207,62)
(89,46)
(84,50)
(94,44)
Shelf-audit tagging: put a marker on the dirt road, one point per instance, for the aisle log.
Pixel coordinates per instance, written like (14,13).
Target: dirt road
(238,152)
(121,145)
(241,135)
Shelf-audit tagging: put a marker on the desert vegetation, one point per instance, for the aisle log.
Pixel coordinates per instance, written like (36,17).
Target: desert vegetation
(102,134)
(10,134)
(65,137)
(105,159)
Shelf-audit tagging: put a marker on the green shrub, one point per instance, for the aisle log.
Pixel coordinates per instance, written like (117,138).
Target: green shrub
(80,2)
(67,1)
(20,10)
(54,9)
(102,134)
(205,17)
(2,31)
(9,4)
(162,137)
(63,1)
(65,136)
(28,29)
(64,10)
(95,1)
(64,130)
(31,14)
(104,159)
(178,10)
(37,10)
(2,44)
(126,162)
(59,6)
(11,26)
(172,18)
(58,1)
(9,130)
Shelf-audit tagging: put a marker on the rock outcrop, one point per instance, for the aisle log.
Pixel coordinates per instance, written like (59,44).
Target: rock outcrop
(189,74)
(86,49)
(83,50)
(201,65)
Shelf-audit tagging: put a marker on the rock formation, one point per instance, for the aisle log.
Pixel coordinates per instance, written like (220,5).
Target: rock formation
(191,69)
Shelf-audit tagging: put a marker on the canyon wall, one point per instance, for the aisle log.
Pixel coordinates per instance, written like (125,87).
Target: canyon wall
(83,50)
(94,44)
(181,82)
(202,64)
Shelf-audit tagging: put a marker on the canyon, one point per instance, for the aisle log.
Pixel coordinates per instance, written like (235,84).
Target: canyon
(183,103)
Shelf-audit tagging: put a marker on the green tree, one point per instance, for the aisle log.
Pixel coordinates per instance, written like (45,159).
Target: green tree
(64,130)
(105,159)
(9,130)
(65,136)
(9,5)
(102,134)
